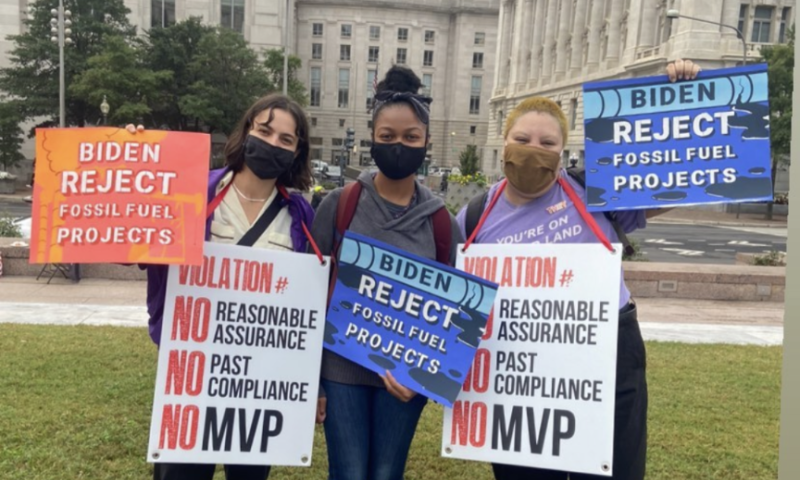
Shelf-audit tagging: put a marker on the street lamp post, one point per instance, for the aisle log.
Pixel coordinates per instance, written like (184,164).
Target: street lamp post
(104,107)
(677,14)
(61,34)
(286,48)
(453,145)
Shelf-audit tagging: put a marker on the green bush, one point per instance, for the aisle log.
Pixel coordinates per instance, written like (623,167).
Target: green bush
(7,228)
(771,259)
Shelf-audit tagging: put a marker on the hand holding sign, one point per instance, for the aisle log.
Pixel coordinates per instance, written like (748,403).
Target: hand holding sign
(682,69)
(651,143)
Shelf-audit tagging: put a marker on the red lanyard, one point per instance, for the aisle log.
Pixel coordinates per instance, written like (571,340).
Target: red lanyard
(588,218)
(282,191)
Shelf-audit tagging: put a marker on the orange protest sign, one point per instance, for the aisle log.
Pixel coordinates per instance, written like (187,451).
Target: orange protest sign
(106,195)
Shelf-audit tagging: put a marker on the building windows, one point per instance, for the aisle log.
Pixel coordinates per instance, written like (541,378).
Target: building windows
(473,129)
(573,113)
(233,15)
(761,25)
(162,13)
(314,124)
(316,51)
(784,20)
(477,60)
(494,159)
(341,122)
(480,38)
(316,87)
(500,120)
(402,55)
(315,153)
(430,36)
(475,96)
(347,30)
(427,59)
(344,53)
(374,32)
(371,82)
(366,143)
(743,19)
(315,140)
(427,84)
(337,142)
(316,29)
(369,124)
(344,87)
(374,54)
(402,34)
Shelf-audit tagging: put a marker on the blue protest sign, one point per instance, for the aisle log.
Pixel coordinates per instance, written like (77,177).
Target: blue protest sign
(419,319)
(653,144)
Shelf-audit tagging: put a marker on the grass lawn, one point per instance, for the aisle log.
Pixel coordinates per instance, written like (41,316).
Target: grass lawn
(75,404)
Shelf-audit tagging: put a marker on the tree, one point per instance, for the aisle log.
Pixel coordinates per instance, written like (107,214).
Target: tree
(780,70)
(174,49)
(469,160)
(274,64)
(32,77)
(229,78)
(10,135)
(119,74)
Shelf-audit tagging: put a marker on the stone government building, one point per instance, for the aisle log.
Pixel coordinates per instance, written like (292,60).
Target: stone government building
(343,44)
(552,47)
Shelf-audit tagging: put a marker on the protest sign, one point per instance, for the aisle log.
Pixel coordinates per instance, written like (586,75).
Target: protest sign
(653,144)
(541,390)
(420,320)
(239,360)
(106,195)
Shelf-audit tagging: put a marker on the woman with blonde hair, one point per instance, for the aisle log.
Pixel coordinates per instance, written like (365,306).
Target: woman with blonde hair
(537,190)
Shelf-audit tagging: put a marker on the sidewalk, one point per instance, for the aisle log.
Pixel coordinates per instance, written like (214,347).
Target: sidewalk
(698,216)
(122,303)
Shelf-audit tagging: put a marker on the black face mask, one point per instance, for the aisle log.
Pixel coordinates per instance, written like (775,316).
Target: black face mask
(264,160)
(397,161)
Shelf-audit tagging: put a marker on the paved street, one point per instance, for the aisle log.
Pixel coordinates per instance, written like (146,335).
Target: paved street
(15,208)
(685,243)
(661,242)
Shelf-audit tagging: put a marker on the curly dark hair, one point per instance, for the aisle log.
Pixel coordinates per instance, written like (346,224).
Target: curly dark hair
(299,175)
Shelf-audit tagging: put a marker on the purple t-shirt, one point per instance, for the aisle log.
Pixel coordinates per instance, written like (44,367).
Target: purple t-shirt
(551,218)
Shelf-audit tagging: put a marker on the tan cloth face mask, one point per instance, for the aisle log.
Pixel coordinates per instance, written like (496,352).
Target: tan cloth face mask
(530,170)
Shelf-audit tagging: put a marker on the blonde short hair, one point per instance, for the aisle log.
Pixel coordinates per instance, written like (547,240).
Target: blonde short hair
(541,105)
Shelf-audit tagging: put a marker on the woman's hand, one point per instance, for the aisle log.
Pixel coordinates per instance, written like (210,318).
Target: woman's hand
(398,391)
(682,70)
(131,129)
(322,404)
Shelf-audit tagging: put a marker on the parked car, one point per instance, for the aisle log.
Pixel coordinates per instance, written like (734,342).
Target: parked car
(317,166)
(332,172)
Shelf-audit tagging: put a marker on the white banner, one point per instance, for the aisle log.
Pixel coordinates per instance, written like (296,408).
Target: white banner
(239,362)
(541,389)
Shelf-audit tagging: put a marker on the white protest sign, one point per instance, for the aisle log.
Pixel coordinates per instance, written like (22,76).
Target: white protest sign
(541,389)
(239,361)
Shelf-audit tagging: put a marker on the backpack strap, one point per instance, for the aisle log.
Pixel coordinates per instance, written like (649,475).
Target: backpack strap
(474,211)
(442,234)
(579,175)
(345,211)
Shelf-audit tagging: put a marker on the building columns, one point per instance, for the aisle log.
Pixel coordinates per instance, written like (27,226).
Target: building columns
(594,35)
(614,30)
(563,37)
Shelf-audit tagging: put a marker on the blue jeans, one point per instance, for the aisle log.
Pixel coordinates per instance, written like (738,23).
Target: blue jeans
(368,432)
